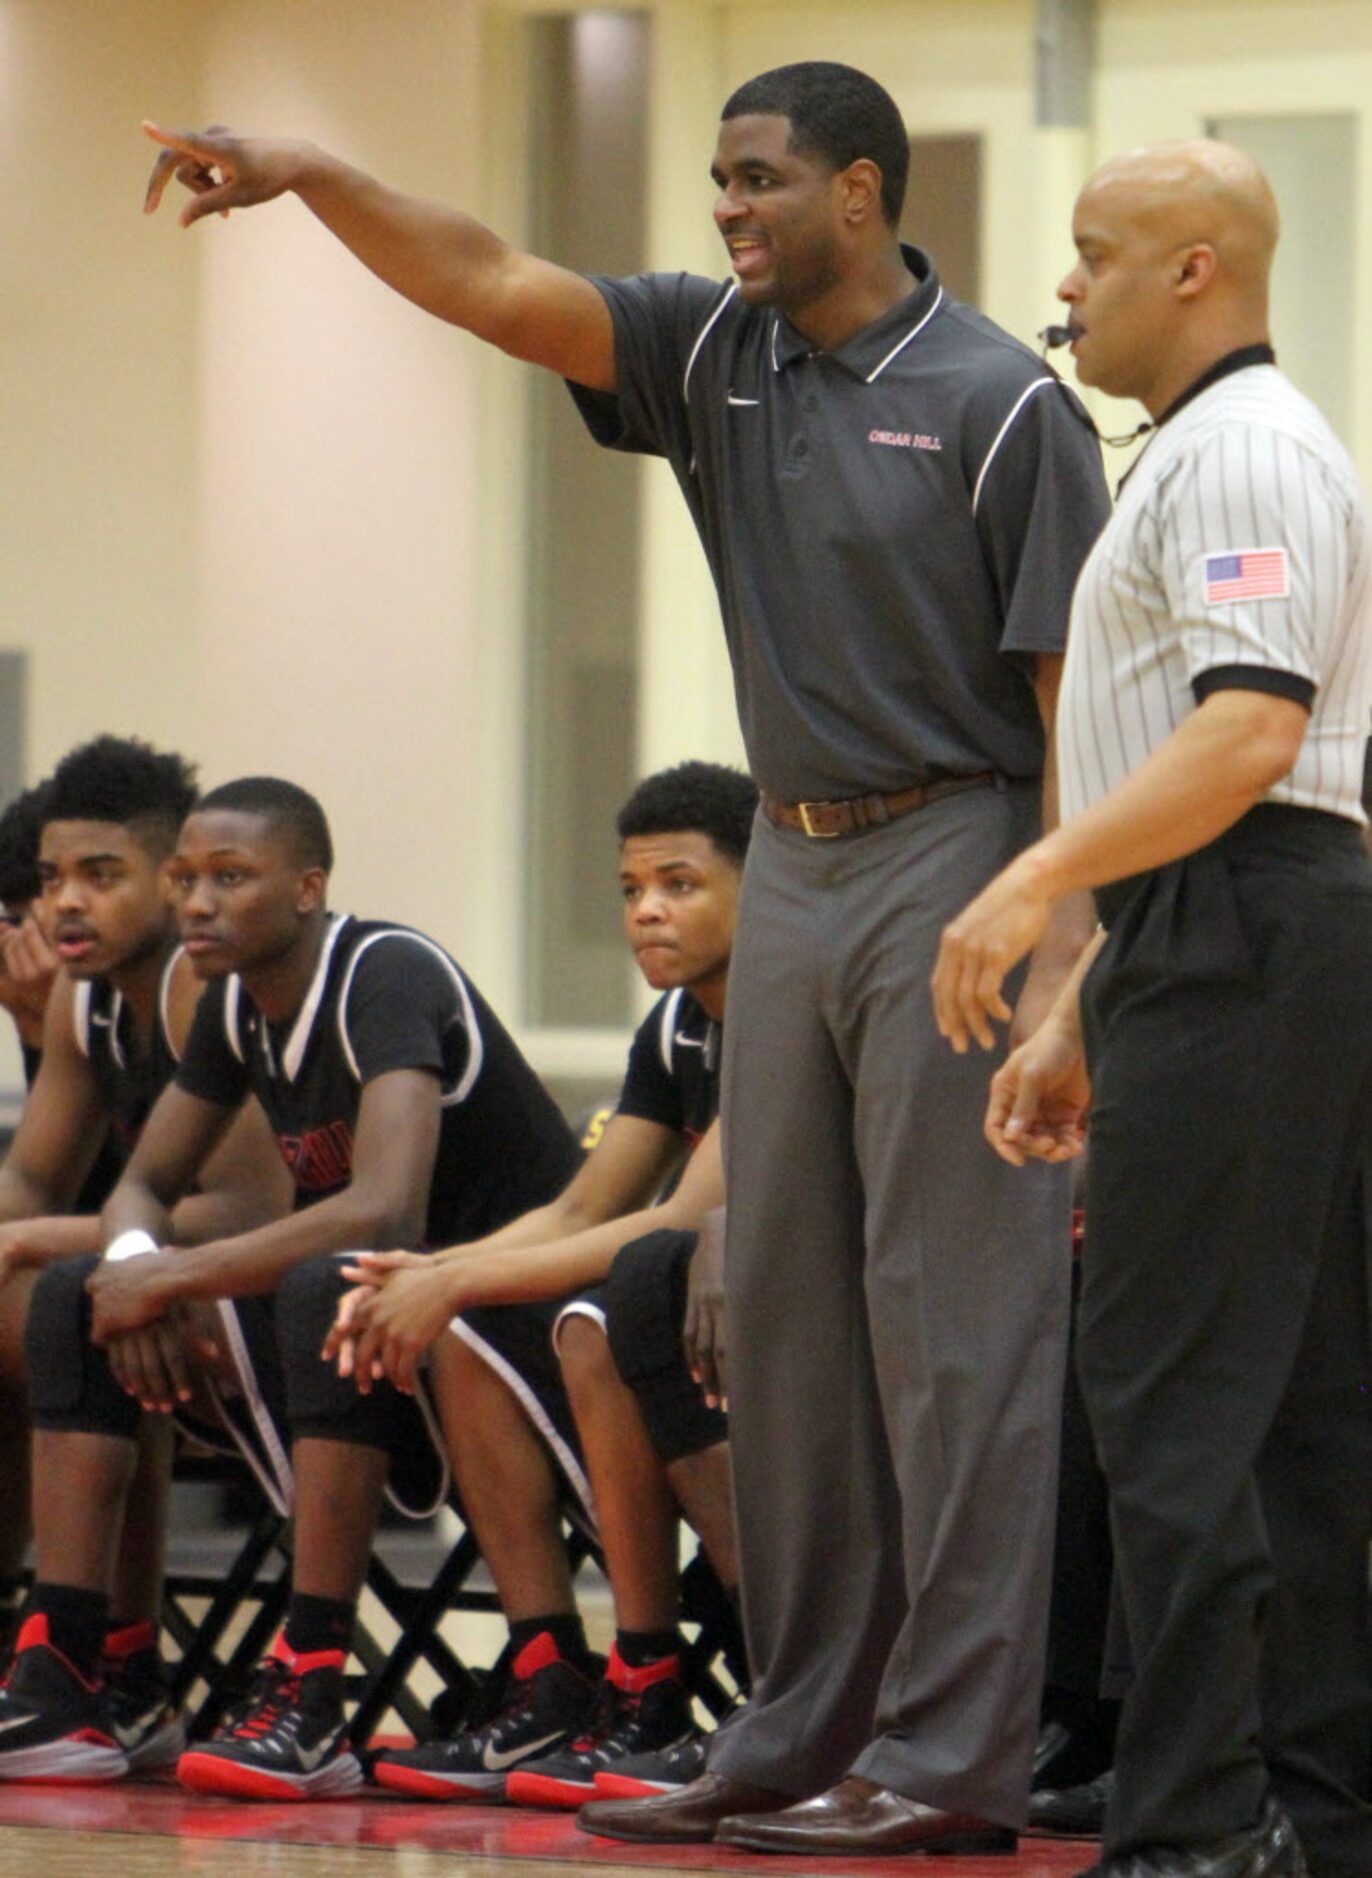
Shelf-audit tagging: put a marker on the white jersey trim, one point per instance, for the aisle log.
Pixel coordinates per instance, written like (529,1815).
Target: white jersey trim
(116,1012)
(1003,432)
(667,1028)
(275,1476)
(81,1015)
(475,1045)
(164,1005)
(533,1408)
(232,1035)
(294,1053)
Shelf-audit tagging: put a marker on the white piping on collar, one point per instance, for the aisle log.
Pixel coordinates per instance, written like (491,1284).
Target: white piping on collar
(294,1053)
(704,334)
(1015,410)
(913,333)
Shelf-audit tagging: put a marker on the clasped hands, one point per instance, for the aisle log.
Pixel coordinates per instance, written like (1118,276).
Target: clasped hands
(155,1346)
(401,1302)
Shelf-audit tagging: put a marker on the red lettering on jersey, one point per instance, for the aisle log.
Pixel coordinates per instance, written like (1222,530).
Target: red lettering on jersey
(321,1159)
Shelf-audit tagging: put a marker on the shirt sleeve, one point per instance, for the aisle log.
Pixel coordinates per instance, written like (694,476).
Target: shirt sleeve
(1042,502)
(658,318)
(208,1067)
(1254,563)
(650,1091)
(405,1010)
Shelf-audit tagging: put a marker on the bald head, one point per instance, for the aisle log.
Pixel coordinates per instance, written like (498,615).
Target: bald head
(1175,244)
(1199,192)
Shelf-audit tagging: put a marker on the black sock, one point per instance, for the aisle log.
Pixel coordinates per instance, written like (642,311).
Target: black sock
(638,1648)
(77,1622)
(314,1624)
(564,1627)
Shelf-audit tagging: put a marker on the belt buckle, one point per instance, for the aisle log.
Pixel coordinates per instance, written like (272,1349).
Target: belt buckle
(815,834)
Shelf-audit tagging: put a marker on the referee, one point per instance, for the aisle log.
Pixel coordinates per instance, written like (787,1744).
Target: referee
(1214,713)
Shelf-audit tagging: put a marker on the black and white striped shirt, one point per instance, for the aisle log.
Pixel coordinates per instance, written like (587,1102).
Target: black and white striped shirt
(1238,555)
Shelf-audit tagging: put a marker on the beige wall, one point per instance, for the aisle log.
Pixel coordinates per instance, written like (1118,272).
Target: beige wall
(98,380)
(258,506)
(1168,65)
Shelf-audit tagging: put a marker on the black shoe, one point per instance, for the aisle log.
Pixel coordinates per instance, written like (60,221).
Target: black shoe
(1069,1754)
(1072,1812)
(547,1704)
(638,1711)
(288,1740)
(662,1770)
(1268,1850)
(147,1727)
(55,1723)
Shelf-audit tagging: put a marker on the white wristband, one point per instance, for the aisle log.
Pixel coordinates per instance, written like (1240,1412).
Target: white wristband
(130,1245)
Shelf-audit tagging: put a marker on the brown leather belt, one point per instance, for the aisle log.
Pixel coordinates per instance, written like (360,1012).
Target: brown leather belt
(825,820)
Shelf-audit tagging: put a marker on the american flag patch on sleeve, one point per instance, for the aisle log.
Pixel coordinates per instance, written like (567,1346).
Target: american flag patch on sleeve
(1246,574)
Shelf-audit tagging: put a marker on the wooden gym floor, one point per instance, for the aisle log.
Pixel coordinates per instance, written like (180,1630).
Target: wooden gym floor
(150,1829)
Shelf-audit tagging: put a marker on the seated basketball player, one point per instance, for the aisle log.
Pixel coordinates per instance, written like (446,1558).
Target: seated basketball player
(405,1115)
(652,1444)
(97,839)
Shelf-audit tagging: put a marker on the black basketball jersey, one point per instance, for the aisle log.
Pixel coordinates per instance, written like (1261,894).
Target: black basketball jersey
(129,1079)
(385,998)
(673,1073)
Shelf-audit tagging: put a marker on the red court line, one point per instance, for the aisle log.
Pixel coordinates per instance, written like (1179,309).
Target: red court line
(384,1821)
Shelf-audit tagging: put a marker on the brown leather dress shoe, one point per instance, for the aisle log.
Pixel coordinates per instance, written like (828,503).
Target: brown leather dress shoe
(858,1816)
(686,1816)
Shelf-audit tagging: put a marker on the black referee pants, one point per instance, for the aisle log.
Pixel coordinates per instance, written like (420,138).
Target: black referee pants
(1223,1342)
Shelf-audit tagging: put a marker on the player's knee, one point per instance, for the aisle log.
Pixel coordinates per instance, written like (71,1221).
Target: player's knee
(320,1402)
(306,1303)
(679,1422)
(583,1350)
(59,1314)
(72,1388)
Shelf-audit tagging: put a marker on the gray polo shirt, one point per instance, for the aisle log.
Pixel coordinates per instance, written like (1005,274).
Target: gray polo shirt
(894,527)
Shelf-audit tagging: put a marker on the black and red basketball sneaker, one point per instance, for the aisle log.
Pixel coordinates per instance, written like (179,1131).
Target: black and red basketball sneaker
(638,1711)
(287,1741)
(546,1704)
(55,1723)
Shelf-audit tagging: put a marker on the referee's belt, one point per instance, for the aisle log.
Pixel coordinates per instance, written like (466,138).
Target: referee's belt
(825,820)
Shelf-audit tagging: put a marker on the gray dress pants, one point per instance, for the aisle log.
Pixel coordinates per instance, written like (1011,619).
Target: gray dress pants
(898,1307)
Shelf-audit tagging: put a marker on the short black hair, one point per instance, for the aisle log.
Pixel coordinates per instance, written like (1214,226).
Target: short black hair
(124,780)
(286,806)
(700,798)
(837,113)
(21,829)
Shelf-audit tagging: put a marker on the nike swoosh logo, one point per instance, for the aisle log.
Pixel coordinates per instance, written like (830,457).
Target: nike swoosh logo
(736,401)
(128,1734)
(688,1043)
(103,1022)
(496,1760)
(15,1721)
(310,1758)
